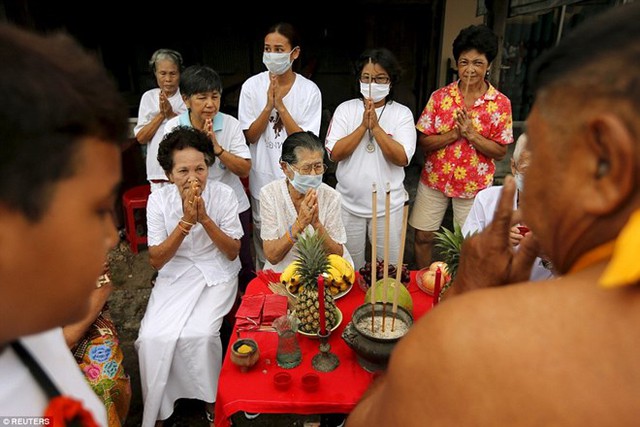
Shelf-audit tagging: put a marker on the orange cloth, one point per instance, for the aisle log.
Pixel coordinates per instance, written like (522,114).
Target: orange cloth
(624,268)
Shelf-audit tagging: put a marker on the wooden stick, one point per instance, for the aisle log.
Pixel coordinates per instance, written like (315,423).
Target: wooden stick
(385,276)
(399,263)
(374,248)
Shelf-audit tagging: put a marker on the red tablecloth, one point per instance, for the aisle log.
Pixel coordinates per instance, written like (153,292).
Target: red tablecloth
(339,390)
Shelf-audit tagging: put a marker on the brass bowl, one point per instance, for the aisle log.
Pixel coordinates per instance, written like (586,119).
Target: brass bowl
(245,360)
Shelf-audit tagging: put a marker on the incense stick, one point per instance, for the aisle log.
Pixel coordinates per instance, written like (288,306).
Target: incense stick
(387,204)
(369,115)
(466,91)
(399,263)
(374,247)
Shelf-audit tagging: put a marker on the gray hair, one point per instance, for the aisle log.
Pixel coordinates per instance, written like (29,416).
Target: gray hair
(521,145)
(165,54)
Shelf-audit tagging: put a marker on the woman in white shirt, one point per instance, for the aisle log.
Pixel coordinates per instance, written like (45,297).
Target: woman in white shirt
(201,89)
(372,138)
(194,238)
(272,105)
(156,107)
(299,201)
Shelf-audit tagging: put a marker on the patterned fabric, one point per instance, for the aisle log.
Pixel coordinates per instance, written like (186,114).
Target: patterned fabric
(99,356)
(458,170)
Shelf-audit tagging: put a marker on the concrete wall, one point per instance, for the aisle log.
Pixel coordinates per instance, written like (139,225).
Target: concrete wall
(458,14)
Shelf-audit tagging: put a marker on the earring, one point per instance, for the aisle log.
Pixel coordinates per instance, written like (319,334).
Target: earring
(603,168)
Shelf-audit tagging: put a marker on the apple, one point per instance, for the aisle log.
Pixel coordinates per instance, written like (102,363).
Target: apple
(444,269)
(429,280)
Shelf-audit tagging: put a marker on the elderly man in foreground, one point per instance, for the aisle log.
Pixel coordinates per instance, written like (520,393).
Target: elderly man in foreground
(547,353)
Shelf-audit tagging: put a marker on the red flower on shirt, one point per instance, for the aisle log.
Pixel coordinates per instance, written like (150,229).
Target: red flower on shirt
(67,412)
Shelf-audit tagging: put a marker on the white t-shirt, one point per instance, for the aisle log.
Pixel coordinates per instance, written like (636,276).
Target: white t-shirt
(357,173)
(149,108)
(304,103)
(164,211)
(22,396)
(481,214)
(231,138)
(278,214)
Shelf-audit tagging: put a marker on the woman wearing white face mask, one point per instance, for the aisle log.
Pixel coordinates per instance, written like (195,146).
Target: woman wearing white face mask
(372,138)
(272,105)
(299,201)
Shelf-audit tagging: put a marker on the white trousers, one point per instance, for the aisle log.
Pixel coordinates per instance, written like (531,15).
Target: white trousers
(359,231)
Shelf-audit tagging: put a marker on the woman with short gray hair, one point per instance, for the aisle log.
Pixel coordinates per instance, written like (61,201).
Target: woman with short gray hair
(157,106)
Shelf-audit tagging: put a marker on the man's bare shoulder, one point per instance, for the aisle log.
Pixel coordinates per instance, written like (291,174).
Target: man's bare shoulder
(497,356)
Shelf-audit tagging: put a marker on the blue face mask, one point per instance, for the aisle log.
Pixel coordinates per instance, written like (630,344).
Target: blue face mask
(519,181)
(302,183)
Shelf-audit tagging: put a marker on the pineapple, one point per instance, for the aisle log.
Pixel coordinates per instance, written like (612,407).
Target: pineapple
(449,242)
(313,261)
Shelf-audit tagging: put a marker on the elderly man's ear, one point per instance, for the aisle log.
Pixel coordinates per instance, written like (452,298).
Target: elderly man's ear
(612,164)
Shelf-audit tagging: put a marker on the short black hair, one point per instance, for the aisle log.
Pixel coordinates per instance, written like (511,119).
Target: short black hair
(478,37)
(600,57)
(54,95)
(299,141)
(288,30)
(180,138)
(199,79)
(387,60)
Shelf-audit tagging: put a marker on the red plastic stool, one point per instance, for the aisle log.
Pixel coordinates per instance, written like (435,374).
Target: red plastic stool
(132,199)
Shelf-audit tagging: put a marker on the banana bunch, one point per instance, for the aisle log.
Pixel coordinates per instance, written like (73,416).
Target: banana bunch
(290,277)
(340,276)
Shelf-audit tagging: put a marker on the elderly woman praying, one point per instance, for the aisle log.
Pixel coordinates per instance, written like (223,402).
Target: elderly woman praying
(300,201)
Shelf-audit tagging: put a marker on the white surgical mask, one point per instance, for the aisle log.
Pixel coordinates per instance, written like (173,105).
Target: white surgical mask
(302,183)
(379,91)
(519,181)
(277,63)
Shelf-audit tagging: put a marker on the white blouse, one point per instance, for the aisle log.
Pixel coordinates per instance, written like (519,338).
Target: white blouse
(278,213)
(164,211)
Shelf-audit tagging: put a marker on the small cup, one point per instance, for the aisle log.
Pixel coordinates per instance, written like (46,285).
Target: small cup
(282,380)
(310,382)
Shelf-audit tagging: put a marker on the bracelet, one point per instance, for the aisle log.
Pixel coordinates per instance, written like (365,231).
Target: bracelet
(187,222)
(222,150)
(290,235)
(184,230)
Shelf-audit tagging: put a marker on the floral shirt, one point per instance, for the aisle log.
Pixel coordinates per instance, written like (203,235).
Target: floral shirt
(458,170)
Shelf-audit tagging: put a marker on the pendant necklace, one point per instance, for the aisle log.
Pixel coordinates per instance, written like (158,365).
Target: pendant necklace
(370,145)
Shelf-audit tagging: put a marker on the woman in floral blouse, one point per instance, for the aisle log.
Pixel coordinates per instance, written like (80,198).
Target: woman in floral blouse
(464,127)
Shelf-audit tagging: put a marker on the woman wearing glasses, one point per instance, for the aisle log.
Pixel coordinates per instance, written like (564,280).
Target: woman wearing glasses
(372,138)
(301,200)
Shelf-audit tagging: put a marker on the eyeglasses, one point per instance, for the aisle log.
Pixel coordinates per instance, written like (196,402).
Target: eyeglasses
(383,80)
(318,168)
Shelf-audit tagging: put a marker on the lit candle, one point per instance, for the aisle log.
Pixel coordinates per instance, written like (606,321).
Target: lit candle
(322,320)
(436,286)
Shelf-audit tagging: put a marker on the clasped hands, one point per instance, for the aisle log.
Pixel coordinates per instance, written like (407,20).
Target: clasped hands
(193,204)
(488,258)
(463,126)
(308,212)
(274,94)
(165,106)
(369,117)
